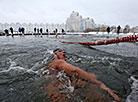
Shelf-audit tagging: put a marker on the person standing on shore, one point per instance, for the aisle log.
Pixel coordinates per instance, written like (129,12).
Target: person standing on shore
(20,30)
(37,31)
(63,31)
(55,31)
(118,29)
(23,31)
(108,30)
(41,31)
(11,29)
(6,32)
(47,32)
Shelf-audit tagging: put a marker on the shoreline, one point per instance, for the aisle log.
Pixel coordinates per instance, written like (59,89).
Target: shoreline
(73,33)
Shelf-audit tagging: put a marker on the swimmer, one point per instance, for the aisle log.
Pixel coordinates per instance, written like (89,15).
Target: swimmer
(61,64)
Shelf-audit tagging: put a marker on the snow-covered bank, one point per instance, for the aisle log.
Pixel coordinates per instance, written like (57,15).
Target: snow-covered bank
(102,33)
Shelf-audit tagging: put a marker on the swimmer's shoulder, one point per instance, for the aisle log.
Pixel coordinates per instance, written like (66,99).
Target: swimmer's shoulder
(57,62)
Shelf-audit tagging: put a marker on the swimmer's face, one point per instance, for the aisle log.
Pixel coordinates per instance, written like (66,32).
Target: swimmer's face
(60,54)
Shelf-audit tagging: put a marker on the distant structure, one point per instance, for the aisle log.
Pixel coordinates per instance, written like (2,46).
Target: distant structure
(134,29)
(76,23)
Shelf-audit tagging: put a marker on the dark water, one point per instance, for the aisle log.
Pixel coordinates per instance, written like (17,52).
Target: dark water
(115,65)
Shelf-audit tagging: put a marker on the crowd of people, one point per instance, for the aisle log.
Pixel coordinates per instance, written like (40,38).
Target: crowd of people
(21,31)
(118,29)
(39,31)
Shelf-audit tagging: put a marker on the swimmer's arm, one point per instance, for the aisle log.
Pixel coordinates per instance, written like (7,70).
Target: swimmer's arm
(70,69)
(63,65)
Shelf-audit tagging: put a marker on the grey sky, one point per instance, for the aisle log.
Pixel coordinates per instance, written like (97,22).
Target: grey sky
(112,12)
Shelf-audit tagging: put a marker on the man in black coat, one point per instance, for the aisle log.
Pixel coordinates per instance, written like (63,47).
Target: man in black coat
(108,30)
(41,31)
(23,30)
(6,32)
(118,29)
(11,29)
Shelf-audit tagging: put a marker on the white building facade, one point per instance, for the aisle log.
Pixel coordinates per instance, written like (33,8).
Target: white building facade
(76,23)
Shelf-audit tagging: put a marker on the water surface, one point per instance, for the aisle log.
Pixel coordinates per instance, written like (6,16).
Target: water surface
(21,57)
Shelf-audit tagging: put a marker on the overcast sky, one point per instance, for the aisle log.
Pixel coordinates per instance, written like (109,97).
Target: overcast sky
(110,12)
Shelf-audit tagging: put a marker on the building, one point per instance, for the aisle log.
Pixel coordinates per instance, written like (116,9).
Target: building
(74,23)
(77,23)
(134,29)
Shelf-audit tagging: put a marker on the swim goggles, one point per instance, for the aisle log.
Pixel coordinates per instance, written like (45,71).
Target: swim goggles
(60,50)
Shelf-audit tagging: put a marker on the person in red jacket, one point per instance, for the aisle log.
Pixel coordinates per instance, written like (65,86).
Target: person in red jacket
(61,64)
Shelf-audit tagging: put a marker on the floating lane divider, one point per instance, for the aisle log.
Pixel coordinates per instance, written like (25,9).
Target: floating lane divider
(132,39)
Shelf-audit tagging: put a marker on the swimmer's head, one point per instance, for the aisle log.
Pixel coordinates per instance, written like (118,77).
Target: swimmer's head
(60,53)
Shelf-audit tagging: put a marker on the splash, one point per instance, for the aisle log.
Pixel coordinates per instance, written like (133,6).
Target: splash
(16,69)
(62,77)
(133,96)
(13,66)
(40,67)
